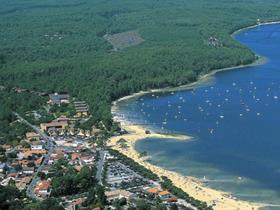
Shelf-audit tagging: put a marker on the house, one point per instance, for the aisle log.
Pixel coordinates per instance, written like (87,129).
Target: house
(117,194)
(34,152)
(12,174)
(59,99)
(74,203)
(81,133)
(82,109)
(62,118)
(22,184)
(54,124)
(87,159)
(153,190)
(164,195)
(56,155)
(36,145)
(95,131)
(172,199)
(78,201)
(42,189)
(28,170)
(24,162)
(3,167)
(46,169)
(7,147)
(32,136)
(75,155)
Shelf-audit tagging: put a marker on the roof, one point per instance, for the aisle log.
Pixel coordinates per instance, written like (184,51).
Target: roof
(80,105)
(56,98)
(152,190)
(78,168)
(26,179)
(36,143)
(62,118)
(38,161)
(2,165)
(30,135)
(28,168)
(86,157)
(116,193)
(43,185)
(78,201)
(55,124)
(6,146)
(12,175)
(79,102)
(75,156)
(24,162)
(82,109)
(163,193)
(173,199)
(35,151)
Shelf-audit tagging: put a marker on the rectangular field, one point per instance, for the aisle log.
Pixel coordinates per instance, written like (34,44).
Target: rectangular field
(124,39)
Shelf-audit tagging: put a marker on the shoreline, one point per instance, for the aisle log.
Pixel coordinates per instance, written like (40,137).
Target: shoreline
(191,185)
(259,61)
(254,26)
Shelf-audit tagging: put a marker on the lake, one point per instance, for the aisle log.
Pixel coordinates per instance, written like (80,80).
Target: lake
(234,119)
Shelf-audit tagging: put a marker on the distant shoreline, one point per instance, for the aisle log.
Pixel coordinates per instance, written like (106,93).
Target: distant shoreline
(259,61)
(254,26)
(134,137)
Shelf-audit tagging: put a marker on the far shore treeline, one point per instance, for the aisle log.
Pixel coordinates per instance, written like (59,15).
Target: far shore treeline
(59,46)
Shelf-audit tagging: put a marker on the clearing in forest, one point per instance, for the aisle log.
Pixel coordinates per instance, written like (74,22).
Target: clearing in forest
(124,39)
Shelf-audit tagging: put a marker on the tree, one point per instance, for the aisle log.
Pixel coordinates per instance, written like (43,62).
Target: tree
(96,197)
(12,154)
(48,204)
(31,164)
(173,207)
(160,207)
(18,167)
(42,175)
(9,197)
(142,205)
(2,151)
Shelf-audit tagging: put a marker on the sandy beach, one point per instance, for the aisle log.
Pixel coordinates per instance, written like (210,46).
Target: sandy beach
(191,185)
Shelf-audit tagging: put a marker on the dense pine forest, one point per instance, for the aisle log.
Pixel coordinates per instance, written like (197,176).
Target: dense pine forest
(59,46)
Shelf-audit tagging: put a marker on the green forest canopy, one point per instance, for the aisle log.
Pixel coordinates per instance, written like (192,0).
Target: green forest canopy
(58,45)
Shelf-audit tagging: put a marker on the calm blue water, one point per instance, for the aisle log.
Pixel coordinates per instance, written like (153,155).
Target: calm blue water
(234,119)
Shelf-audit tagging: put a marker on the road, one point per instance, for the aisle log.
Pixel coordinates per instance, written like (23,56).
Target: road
(100,165)
(49,147)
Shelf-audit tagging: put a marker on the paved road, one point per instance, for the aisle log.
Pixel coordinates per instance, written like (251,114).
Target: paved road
(100,165)
(49,147)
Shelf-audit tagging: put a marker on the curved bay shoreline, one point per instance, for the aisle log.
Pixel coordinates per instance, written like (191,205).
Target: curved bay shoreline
(191,185)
